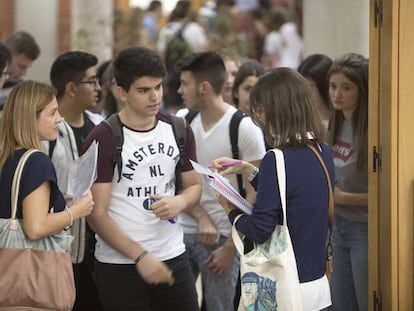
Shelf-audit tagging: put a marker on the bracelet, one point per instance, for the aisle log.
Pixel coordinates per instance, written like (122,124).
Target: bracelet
(253,174)
(71,217)
(138,259)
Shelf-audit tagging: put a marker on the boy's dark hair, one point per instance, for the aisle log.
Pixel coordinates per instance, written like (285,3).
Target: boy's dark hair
(136,62)
(181,10)
(154,5)
(70,67)
(5,57)
(24,43)
(206,66)
(248,68)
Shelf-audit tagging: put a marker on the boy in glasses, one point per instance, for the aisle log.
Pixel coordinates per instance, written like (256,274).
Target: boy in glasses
(73,75)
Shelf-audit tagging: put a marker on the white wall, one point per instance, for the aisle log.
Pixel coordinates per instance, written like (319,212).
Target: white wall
(39,18)
(91,27)
(167,5)
(334,27)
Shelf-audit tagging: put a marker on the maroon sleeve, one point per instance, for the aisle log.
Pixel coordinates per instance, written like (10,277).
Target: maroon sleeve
(190,151)
(106,151)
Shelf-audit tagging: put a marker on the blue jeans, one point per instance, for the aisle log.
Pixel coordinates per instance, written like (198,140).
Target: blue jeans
(349,283)
(121,288)
(218,290)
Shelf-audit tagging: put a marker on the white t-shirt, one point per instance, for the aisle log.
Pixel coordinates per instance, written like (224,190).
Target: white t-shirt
(149,159)
(213,144)
(193,34)
(285,45)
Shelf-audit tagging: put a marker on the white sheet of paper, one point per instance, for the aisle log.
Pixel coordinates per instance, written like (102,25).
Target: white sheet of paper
(221,185)
(82,173)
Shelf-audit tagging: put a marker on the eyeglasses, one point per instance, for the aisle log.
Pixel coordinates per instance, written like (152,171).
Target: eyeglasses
(5,74)
(94,81)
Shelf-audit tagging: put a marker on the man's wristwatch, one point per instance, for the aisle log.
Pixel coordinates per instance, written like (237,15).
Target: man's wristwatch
(253,174)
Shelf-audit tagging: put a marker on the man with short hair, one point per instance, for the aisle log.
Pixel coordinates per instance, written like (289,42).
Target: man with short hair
(25,51)
(141,262)
(207,231)
(73,75)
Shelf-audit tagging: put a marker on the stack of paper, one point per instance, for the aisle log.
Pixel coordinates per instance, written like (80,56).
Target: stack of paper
(222,186)
(82,173)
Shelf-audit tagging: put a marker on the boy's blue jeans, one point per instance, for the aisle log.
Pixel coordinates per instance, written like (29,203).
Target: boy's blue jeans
(218,290)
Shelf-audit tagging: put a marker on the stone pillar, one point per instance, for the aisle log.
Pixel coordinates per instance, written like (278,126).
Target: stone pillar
(90,30)
(39,18)
(334,27)
(91,27)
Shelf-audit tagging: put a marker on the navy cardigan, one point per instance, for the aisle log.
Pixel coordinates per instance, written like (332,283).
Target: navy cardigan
(307,207)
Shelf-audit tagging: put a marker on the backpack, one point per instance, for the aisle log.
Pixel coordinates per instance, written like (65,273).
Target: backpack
(234,138)
(179,126)
(176,49)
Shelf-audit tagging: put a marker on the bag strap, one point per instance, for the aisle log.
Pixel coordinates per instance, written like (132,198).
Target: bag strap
(179,126)
(331,196)
(114,124)
(180,31)
(329,248)
(16,184)
(234,140)
(191,115)
(281,176)
(281,180)
(238,243)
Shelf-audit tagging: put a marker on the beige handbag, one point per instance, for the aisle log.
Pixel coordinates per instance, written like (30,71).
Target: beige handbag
(38,273)
(269,276)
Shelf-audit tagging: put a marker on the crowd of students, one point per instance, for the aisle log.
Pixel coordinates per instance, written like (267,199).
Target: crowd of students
(140,243)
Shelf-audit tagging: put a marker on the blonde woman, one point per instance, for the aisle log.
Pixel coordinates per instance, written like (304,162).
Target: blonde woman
(31,115)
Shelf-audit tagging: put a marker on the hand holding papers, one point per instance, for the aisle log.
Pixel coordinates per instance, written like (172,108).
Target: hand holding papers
(222,186)
(82,173)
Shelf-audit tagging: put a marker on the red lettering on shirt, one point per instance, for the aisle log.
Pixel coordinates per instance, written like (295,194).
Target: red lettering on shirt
(342,150)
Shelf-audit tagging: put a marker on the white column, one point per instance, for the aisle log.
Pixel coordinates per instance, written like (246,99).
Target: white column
(91,27)
(335,27)
(39,18)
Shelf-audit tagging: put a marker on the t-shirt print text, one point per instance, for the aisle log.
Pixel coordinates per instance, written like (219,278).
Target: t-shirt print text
(342,150)
(143,153)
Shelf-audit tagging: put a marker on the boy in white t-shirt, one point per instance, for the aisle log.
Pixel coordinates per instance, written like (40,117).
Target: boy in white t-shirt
(141,259)
(206,227)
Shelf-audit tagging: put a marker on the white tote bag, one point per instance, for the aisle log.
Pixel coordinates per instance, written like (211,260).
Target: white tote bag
(269,276)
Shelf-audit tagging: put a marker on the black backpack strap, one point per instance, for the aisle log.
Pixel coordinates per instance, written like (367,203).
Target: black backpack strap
(179,126)
(52,145)
(191,115)
(180,31)
(113,122)
(234,140)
